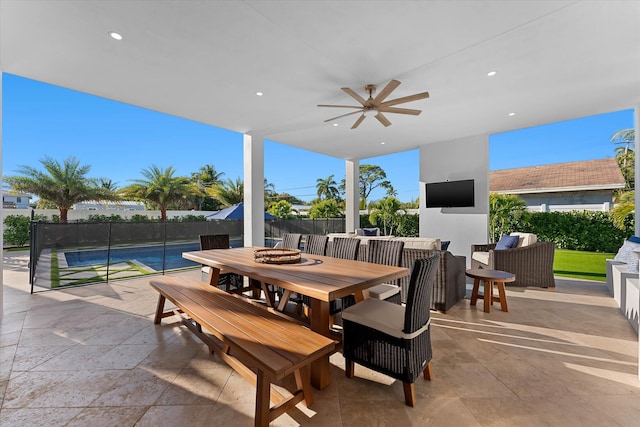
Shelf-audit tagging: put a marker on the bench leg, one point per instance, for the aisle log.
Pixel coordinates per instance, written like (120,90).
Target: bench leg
(159,310)
(303,382)
(263,388)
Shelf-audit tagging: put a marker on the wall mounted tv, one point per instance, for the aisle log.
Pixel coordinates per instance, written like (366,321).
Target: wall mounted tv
(450,194)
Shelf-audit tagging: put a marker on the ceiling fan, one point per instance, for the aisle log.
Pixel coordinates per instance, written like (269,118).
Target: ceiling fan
(378,105)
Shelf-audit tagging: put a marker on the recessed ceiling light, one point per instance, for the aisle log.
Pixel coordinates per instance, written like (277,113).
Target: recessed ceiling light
(259,93)
(335,124)
(382,143)
(512,114)
(492,73)
(115,36)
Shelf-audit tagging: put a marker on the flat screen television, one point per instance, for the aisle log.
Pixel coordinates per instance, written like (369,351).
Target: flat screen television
(450,194)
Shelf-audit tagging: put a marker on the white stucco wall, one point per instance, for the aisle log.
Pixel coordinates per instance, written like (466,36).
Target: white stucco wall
(466,158)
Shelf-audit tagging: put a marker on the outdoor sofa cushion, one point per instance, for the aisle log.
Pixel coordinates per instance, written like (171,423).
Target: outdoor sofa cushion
(626,254)
(507,242)
(525,239)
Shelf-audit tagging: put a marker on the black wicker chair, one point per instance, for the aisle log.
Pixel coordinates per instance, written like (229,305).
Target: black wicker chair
(390,338)
(387,252)
(316,244)
(228,281)
(290,241)
(344,248)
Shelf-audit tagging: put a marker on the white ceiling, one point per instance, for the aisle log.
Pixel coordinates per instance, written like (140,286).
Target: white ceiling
(204,60)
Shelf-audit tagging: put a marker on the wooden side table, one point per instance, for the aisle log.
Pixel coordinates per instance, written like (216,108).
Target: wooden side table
(490,277)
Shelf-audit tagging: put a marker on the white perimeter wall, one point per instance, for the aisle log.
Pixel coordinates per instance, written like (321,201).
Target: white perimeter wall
(466,158)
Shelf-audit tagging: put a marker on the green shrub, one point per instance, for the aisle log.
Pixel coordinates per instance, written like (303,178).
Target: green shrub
(140,218)
(581,231)
(16,230)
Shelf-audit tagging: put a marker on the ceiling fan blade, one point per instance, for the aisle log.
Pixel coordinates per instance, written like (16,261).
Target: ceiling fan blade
(400,110)
(357,123)
(382,119)
(390,87)
(355,96)
(404,99)
(339,106)
(343,115)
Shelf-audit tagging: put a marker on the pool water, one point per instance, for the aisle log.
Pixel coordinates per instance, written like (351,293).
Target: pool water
(147,255)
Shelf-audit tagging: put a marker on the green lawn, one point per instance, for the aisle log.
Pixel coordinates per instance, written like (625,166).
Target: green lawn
(581,265)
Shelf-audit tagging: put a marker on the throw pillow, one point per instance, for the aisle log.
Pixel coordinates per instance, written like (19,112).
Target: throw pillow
(369,231)
(444,245)
(507,242)
(634,239)
(626,254)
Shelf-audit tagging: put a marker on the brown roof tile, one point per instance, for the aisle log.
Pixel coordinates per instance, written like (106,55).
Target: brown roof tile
(603,173)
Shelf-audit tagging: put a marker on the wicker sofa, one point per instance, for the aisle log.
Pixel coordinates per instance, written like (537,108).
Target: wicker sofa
(450,284)
(531,264)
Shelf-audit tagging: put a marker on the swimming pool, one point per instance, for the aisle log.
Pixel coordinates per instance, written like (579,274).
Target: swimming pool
(148,255)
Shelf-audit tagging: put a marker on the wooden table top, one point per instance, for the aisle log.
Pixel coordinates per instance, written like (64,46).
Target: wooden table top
(320,277)
(483,273)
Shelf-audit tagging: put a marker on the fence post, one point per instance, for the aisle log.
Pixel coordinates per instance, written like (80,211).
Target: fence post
(32,250)
(164,247)
(108,250)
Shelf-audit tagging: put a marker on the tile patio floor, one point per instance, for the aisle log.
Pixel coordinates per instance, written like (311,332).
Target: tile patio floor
(92,356)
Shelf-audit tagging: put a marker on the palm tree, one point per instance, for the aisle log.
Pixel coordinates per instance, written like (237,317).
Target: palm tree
(327,188)
(228,192)
(108,185)
(62,185)
(161,188)
(504,210)
(387,212)
(326,209)
(625,204)
(625,156)
(207,176)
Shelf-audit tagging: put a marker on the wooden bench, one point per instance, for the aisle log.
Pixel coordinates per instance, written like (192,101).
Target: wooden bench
(262,346)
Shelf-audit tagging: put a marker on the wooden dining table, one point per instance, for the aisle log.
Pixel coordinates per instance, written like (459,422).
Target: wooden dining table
(321,278)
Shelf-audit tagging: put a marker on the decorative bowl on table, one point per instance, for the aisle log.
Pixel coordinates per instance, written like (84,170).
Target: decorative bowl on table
(277,256)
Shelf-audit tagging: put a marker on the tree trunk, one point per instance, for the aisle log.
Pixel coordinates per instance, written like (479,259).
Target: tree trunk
(163,215)
(63,214)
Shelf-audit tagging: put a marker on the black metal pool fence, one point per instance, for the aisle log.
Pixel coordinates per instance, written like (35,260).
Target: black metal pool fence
(74,235)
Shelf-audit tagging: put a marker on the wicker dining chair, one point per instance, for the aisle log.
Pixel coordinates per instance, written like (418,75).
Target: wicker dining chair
(316,244)
(393,339)
(344,248)
(228,281)
(291,241)
(387,252)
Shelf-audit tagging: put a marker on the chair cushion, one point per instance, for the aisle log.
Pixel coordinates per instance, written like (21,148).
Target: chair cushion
(429,243)
(634,239)
(383,316)
(482,257)
(626,254)
(507,242)
(370,231)
(525,239)
(383,291)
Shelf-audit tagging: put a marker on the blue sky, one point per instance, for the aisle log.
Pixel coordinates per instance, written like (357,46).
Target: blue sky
(119,140)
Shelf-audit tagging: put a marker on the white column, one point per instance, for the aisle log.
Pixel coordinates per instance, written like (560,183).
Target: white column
(352,196)
(1,216)
(636,148)
(253,190)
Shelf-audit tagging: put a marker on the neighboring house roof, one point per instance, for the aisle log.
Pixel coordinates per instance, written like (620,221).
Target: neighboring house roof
(603,174)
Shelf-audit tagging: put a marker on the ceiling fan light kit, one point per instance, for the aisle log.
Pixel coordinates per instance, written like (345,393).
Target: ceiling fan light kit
(376,106)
